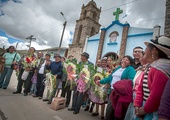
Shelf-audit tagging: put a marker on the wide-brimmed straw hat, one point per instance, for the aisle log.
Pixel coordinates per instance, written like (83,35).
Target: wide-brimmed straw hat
(162,43)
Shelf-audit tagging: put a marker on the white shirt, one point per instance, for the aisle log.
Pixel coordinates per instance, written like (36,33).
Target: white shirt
(41,70)
(116,76)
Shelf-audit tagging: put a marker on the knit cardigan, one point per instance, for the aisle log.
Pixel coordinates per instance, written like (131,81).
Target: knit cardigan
(128,73)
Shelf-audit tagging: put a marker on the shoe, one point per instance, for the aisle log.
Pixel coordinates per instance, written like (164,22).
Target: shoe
(4,88)
(87,108)
(49,102)
(94,114)
(91,110)
(75,112)
(34,95)
(45,100)
(70,109)
(25,94)
(40,98)
(102,118)
(16,92)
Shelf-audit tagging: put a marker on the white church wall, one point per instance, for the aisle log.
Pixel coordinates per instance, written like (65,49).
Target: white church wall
(137,40)
(134,30)
(115,46)
(92,47)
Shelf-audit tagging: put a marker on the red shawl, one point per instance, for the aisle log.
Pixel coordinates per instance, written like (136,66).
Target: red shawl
(121,96)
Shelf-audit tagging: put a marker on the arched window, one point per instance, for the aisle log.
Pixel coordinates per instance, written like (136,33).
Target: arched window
(92,31)
(79,33)
(113,36)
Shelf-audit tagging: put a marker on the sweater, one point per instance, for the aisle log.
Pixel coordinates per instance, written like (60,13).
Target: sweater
(121,96)
(128,73)
(156,82)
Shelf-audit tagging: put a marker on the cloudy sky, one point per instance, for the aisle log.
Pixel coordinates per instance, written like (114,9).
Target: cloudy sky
(41,18)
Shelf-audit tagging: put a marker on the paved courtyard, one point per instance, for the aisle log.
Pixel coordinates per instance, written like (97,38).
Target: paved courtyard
(19,107)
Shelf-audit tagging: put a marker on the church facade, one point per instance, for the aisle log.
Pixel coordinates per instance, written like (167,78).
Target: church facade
(117,39)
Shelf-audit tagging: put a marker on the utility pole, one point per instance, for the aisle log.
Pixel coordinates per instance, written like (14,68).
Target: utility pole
(64,26)
(30,38)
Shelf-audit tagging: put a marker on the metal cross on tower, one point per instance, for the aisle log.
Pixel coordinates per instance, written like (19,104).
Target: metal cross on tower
(117,12)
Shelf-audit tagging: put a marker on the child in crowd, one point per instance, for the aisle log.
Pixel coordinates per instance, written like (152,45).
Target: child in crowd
(34,84)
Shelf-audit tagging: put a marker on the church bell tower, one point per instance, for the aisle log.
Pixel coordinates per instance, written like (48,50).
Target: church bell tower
(88,25)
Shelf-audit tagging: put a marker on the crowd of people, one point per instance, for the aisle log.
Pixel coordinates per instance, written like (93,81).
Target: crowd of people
(135,88)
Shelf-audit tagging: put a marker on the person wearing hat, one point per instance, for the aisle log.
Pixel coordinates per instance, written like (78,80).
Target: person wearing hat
(56,69)
(150,90)
(77,99)
(41,71)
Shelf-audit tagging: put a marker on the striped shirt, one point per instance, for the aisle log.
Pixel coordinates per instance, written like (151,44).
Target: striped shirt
(146,91)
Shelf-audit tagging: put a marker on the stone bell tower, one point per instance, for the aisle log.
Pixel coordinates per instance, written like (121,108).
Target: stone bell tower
(167,19)
(88,25)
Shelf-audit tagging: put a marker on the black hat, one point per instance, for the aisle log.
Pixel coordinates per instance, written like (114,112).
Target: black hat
(85,54)
(57,55)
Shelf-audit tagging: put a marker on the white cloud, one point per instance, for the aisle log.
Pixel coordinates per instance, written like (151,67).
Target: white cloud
(21,45)
(42,18)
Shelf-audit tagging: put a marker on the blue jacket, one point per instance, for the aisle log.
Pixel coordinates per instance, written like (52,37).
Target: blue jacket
(128,73)
(55,68)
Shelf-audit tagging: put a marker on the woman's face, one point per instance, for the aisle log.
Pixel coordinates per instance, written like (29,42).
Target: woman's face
(109,61)
(125,62)
(148,54)
(143,59)
(11,49)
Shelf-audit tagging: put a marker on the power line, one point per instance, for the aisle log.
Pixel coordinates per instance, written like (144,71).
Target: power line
(104,11)
(120,5)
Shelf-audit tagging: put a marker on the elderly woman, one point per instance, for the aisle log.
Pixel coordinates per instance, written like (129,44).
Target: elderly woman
(124,71)
(151,88)
(10,57)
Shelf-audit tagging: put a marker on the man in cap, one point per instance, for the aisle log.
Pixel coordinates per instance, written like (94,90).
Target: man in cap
(56,69)
(84,59)
(78,97)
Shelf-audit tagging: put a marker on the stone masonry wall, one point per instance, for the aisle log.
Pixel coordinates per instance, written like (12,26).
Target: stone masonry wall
(167,19)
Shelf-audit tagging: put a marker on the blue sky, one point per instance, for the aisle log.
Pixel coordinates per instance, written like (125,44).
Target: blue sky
(10,39)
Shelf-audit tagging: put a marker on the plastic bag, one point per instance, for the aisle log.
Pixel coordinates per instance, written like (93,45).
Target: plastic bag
(25,75)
